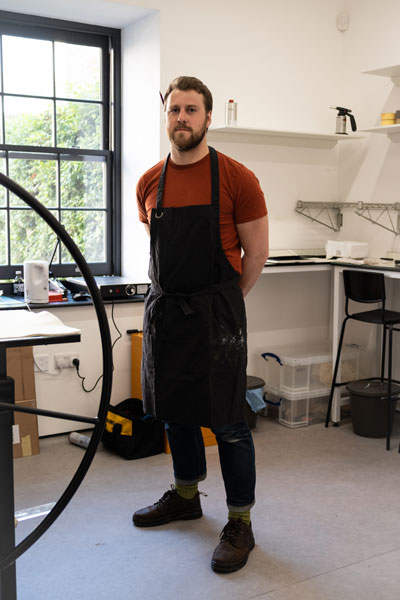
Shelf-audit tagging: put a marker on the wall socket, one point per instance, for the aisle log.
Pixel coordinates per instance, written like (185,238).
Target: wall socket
(41,362)
(64,361)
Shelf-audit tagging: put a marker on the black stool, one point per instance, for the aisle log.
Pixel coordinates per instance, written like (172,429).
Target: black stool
(368,288)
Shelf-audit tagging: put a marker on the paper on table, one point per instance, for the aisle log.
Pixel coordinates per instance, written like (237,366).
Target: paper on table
(23,323)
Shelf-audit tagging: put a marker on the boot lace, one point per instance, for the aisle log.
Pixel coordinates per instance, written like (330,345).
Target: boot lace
(232,532)
(170,493)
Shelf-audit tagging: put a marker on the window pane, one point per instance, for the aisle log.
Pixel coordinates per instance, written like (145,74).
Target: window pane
(3,195)
(28,66)
(78,125)
(87,229)
(38,177)
(30,237)
(82,184)
(78,71)
(3,238)
(28,121)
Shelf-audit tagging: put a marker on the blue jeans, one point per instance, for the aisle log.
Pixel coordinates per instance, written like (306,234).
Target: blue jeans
(236,456)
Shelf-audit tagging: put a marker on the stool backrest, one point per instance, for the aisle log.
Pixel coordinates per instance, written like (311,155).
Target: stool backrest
(364,286)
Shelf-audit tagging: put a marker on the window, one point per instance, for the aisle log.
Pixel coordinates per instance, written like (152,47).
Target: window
(60,140)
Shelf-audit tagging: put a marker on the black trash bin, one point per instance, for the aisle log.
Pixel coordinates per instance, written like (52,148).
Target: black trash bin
(369,406)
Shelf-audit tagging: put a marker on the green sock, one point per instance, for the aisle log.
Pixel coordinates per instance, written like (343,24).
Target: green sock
(187,491)
(245,516)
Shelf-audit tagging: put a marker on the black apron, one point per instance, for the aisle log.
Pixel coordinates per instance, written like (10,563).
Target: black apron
(194,330)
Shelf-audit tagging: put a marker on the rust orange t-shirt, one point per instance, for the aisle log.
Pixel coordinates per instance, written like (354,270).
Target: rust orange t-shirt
(241,198)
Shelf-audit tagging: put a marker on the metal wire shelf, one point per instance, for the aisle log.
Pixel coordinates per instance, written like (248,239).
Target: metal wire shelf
(332,212)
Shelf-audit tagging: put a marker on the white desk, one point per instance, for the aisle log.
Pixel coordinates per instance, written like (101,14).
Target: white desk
(338,314)
(337,307)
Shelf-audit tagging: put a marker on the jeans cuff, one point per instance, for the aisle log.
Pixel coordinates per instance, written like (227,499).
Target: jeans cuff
(179,481)
(241,508)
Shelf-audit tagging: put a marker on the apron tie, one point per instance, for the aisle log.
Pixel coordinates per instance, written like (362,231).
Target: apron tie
(185,306)
(183,298)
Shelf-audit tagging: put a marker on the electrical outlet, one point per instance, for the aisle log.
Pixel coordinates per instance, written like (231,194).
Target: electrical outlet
(64,361)
(41,362)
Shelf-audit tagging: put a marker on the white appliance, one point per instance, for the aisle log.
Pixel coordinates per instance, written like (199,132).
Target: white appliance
(36,281)
(346,249)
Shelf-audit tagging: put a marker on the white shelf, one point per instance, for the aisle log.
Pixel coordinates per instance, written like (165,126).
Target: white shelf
(387,129)
(327,137)
(393,72)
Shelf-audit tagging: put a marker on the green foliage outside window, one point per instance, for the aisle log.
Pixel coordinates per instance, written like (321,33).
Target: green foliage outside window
(81,183)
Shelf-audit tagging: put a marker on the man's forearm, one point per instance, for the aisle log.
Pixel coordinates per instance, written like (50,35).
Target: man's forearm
(251,269)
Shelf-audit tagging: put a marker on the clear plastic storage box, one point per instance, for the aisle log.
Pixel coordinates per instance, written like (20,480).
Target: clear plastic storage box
(298,410)
(303,370)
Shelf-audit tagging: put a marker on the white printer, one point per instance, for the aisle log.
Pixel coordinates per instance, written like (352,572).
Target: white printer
(345,249)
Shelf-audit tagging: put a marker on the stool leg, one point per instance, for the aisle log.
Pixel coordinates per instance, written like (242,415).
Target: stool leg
(383,353)
(389,398)
(337,363)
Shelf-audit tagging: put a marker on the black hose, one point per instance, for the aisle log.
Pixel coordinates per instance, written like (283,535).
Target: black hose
(6,561)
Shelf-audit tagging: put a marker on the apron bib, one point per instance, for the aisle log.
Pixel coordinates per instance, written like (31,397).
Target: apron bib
(194,330)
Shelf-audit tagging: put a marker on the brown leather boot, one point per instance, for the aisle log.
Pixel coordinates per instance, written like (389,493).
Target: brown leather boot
(237,541)
(171,507)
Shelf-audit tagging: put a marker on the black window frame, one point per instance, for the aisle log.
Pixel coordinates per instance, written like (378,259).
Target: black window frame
(109,39)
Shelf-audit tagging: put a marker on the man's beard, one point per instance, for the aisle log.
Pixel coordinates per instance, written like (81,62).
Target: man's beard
(188,143)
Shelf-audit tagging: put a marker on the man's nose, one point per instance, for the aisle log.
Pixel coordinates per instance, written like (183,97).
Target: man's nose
(182,115)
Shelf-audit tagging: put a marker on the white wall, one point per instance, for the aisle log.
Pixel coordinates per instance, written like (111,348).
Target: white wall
(281,63)
(368,170)
(141,132)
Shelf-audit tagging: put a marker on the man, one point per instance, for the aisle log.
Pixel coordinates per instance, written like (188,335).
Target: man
(201,209)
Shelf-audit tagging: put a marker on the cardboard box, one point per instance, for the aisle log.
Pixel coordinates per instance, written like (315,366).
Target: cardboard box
(20,368)
(25,429)
(136,364)
(25,432)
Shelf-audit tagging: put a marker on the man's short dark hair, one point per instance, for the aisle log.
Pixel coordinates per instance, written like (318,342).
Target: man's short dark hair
(184,84)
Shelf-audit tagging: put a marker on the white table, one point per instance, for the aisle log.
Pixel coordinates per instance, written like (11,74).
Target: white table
(337,309)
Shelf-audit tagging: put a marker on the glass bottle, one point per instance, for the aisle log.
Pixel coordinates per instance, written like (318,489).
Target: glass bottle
(18,284)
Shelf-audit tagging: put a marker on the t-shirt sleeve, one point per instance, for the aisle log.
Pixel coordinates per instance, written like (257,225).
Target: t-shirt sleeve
(141,202)
(250,202)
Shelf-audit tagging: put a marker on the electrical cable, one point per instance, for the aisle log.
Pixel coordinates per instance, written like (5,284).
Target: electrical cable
(76,361)
(46,215)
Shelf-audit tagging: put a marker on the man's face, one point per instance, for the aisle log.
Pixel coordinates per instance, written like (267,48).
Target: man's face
(186,119)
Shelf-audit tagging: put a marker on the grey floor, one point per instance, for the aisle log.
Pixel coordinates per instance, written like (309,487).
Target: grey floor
(326,523)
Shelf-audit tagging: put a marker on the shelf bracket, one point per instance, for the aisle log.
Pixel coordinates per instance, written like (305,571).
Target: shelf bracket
(385,209)
(332,211)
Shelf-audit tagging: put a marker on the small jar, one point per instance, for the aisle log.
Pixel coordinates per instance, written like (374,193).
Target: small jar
(388,118)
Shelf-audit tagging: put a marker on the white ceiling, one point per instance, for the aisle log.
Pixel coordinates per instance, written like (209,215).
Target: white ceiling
(108,13)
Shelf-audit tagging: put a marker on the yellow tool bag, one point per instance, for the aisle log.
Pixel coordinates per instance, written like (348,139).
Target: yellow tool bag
(131,433)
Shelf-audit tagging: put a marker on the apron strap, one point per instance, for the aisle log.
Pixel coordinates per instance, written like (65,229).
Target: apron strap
(214,177)
(159,211)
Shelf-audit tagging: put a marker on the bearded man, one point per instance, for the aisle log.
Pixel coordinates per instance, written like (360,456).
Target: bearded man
(208,225)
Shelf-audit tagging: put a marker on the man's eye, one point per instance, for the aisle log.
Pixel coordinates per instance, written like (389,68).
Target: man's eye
(173,110)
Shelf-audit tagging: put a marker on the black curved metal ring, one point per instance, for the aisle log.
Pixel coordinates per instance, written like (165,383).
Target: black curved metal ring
(86,461)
